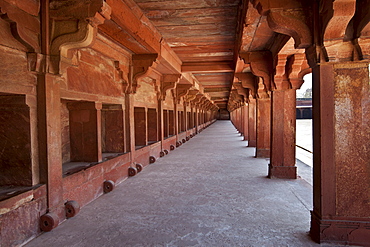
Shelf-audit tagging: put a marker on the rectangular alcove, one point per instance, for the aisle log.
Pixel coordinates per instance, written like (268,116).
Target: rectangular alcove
(79,129)
(189,120)
(112,131)
(165,124)
(181,121)
(152,125)
(171,123)
(15,145)
(140,127)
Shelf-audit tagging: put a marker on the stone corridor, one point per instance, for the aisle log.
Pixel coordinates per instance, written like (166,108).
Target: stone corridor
(211,191)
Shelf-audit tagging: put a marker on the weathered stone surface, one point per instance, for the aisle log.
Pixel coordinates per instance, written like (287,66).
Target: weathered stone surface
(263,118)
(112,83)
(13,68)
(83,131)
(94,76)
(19,224)
(15,140)
(282,157)
(112,129)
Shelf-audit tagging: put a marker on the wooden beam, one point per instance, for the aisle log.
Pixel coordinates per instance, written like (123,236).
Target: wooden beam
(195,67)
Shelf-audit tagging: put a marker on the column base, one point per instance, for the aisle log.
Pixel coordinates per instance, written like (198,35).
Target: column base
(287,172)
(251,143)
(340,230)
(262,153)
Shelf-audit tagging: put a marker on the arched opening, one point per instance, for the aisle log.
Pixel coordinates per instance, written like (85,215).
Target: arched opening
(304,146)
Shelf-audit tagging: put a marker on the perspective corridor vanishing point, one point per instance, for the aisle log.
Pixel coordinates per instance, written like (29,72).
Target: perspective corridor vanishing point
(92,92)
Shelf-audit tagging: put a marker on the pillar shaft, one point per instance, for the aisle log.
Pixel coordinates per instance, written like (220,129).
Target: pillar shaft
(245,121)
(263,127)
(282,162)
(130,124)
(160,123)
(252,115)
(341,103)
(48,90)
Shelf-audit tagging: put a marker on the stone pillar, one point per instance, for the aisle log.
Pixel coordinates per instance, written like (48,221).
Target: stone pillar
(341,124)
(130,124)
(245,121)
(48,96)
(282,162)
(176,118)
(185,117)
(141,123)
(239,120)
(252,121)
(160,122)
(191,116)
(242,119)
(263,127)
(196,119)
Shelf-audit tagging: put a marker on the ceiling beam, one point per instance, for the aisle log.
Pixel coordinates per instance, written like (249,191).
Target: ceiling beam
(195,67)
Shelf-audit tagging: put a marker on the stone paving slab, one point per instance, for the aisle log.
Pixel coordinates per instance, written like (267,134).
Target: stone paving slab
(211,191)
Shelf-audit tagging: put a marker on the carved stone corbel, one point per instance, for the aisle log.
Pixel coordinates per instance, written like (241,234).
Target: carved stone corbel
(168,82)
(182,90)
(289,18)
(119,75)
(25,28)
(292,23)
(262,91)
(198,100)
(192,94)
(358,30)
(73,26)
(241,90)
(261,65)
(249,81)
(298,69)
(333,38)
(281,79)
(138,69)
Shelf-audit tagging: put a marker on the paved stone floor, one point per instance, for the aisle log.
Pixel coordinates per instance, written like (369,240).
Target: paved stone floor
(304,141)
(209,192)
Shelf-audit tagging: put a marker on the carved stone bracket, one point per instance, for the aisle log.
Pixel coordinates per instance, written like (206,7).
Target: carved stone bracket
(244,92)
(358,30)
(261,65)
(342,12)
(198,100)
(168,82)
(192,94)
(281,80)
(182,90)
(262,91)
(292,23)
(74,27)
(248,80)
(24,27)
(298,69)
(138,69)
(287,17)
(119,76)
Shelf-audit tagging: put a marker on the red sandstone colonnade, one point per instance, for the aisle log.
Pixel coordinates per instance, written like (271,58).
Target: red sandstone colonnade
(92,92)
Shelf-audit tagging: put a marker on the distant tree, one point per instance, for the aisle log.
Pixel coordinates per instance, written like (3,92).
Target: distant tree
(308,93)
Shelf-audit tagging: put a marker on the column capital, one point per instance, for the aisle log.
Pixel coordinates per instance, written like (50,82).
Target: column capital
(138,69)
(261,64)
